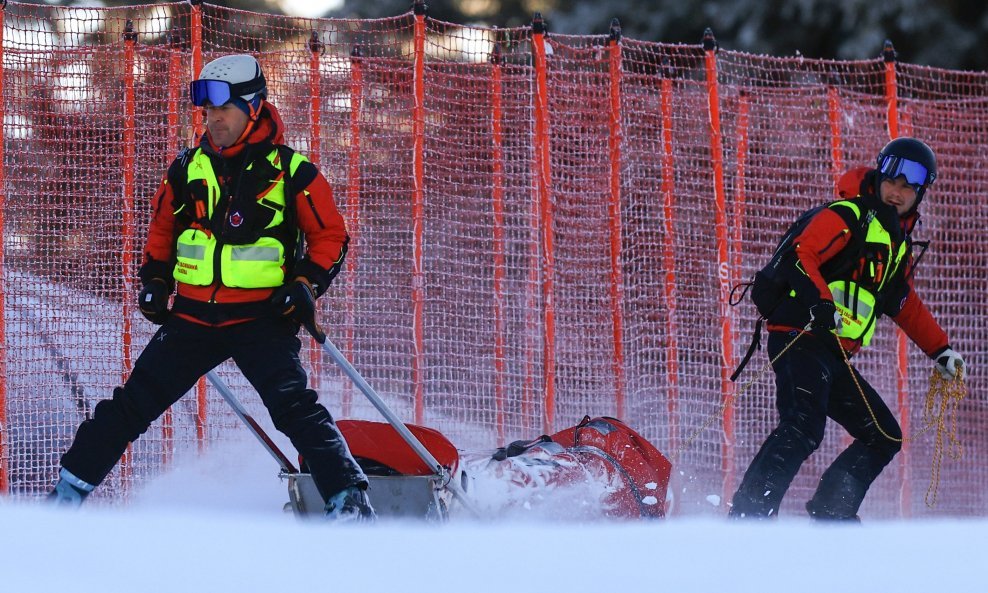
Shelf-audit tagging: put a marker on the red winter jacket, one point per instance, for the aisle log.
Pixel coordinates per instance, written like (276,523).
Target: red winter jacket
(824,237)
(317,217)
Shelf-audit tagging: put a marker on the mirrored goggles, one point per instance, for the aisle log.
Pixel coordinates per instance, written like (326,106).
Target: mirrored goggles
(220,92)
(916,174)
(216,92)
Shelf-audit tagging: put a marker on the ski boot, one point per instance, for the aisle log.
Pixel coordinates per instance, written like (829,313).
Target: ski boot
(350,505)
(70,490)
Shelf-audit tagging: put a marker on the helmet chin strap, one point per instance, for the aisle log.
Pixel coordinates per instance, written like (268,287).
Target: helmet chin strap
(919,198)
(255,113)
(246,132)
(253,116)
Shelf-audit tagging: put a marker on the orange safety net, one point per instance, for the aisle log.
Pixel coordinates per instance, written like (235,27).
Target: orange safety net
(544,226)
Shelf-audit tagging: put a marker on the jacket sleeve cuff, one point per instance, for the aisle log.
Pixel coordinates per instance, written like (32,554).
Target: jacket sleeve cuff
(317,276)
(155,269)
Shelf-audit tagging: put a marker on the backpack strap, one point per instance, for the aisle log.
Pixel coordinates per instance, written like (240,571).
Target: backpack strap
(857,219)
(857,222)
(756,344)
(285,156)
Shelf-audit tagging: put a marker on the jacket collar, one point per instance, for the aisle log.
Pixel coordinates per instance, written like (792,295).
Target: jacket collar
(267,129)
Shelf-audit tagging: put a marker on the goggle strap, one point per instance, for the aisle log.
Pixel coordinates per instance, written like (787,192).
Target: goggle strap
(246,88)
(255,112)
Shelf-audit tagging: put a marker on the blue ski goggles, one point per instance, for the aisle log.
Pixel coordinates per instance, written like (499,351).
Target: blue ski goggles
(221,92)
(916,174)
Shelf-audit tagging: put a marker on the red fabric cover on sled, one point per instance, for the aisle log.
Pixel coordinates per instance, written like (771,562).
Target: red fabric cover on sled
(644,469)
(379,441)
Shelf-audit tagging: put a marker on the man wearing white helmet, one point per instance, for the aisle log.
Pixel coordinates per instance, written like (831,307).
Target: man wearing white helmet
(226,231)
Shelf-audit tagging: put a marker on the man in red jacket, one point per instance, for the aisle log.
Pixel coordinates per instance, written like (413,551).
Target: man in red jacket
(226,229)
(850,265)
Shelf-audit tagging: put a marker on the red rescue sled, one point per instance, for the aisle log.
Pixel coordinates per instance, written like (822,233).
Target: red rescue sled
(600,468)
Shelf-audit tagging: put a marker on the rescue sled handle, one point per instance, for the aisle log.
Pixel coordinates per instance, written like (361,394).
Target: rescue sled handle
(255,428)
(393,420)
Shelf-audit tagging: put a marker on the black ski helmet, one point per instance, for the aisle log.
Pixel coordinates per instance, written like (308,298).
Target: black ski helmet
(909,158)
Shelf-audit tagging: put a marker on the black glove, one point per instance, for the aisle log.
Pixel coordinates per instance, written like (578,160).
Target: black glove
(153,300)
(297,301)
(824,317)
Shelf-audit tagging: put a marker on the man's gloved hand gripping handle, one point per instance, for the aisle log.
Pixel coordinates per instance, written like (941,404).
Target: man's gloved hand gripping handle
(297,301)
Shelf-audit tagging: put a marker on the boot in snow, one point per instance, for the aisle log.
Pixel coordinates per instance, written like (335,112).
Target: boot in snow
(350,505)
(70,490)
(838,497)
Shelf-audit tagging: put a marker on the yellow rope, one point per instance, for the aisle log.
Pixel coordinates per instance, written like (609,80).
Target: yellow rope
(729,401)
(950,393)
(871,412)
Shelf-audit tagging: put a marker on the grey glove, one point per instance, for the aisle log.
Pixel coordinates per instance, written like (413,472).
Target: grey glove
(948,362)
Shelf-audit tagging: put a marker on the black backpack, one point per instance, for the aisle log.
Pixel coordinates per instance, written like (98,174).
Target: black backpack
(769,287)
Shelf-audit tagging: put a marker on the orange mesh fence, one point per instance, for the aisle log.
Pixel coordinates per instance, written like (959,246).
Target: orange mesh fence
(544,226)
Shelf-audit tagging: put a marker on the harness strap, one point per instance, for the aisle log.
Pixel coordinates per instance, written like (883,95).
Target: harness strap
(519,447)
(756,344)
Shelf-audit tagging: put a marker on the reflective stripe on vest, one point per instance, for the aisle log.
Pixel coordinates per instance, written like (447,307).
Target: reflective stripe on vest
(254,253)
(856,304)
(196,252)
(856,318)
(194,257)
(260,264)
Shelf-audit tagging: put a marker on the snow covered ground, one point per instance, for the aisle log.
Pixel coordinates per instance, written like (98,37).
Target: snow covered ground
(215,523)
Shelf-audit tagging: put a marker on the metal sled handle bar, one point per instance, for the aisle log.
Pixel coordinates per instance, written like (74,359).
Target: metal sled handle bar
(255,428)
(393,420)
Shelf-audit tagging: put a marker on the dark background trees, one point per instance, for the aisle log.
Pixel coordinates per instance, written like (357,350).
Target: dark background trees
(941,33)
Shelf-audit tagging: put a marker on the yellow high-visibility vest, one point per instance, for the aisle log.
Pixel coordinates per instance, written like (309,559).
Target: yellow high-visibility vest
(856,304)
(201,256)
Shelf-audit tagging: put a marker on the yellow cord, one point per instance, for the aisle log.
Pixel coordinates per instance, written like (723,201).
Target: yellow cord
(729,401)
(950,393)
(871,412)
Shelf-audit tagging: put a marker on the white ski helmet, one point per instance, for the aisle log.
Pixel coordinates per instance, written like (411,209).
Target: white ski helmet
(228,78)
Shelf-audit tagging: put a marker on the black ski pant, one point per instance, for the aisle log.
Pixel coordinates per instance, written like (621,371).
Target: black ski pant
(267,352)
(813,382)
